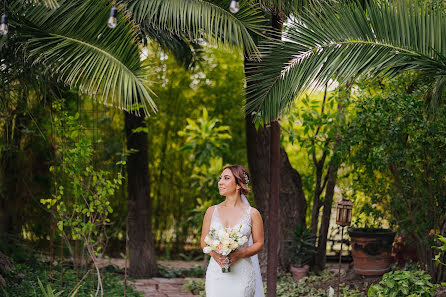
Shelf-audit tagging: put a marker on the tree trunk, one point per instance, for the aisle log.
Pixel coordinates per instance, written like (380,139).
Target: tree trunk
(292,205)
(320,258)
(13,197)
(273,223)
(318,189)
(141,245)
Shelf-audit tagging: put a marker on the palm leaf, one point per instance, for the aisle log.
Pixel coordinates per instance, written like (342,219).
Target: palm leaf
(75,46)
(291,7)
(201,19)
(344,42)
(186,53)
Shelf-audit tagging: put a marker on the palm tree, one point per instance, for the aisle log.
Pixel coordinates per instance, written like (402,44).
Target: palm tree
(70,41)
(279,193)
(344,41)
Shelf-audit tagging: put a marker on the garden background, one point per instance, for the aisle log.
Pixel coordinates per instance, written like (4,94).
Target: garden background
(91,170)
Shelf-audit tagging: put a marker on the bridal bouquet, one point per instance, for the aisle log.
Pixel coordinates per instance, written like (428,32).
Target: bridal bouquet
(223,241)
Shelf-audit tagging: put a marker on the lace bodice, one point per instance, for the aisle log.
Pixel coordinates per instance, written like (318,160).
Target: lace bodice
(244,221)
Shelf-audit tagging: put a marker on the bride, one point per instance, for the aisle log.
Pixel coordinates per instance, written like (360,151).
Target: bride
(244,278)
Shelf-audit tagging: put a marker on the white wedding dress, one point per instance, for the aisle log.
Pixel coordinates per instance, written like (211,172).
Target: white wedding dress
(241,280)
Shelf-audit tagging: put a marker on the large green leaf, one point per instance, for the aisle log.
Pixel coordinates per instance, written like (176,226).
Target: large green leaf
(74,45)
(346,41)
(201,19)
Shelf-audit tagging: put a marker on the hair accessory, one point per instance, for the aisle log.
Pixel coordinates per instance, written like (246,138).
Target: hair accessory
(246,177)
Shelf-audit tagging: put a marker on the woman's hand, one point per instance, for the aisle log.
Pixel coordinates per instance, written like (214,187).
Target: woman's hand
(234,257)
(220,259)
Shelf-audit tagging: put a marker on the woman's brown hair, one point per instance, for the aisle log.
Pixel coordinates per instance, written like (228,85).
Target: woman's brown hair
(241,177)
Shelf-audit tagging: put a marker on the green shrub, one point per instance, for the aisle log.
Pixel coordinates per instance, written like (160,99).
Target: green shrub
(196,286)
(168,272)
(49,292)
(23,280)
(306,287)
(404,283)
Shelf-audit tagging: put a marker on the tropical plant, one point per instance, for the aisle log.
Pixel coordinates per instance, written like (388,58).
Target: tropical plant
(404,283)
(205,138)
(301,245)
(344,41)
(442,250)
(49,292)
(207,141)
(74,45)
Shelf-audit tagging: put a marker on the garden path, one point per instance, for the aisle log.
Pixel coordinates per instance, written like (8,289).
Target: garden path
(158,286)
(161,287)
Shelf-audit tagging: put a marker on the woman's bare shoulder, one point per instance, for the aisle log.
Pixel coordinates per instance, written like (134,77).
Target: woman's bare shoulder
(255,212)
(210,210)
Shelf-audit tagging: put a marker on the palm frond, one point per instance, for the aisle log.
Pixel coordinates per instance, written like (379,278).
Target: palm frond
(75,46)
(344,42)
(291,7)
(202,19)
(186,53)
(53,4)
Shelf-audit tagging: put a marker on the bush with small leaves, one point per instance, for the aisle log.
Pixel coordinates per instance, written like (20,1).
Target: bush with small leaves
(404,283)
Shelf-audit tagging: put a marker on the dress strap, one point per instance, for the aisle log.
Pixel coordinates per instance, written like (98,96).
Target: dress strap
(249,213)
(214,213)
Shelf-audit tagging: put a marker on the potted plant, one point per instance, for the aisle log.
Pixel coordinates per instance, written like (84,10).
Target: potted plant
(371,250)
(371,243)
(301,247)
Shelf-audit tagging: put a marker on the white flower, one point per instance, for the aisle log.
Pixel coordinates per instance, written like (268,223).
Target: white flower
(208,240)
(225,251)
(226,241)
(242,240)
(221,233)
(233,245)
(207,250)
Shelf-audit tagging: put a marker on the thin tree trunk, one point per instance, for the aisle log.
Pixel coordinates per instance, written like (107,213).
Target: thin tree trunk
(320,258)
(141,245)
(273,223)
(316,197)
(331,178)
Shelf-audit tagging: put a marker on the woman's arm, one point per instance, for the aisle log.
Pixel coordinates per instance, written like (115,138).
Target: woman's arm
(205,231)
(257,239)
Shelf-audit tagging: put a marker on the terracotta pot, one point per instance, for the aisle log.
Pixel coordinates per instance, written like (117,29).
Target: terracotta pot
(299,272)
(371,250)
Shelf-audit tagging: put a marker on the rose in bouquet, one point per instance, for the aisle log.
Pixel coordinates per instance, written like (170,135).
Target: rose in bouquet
(223,241)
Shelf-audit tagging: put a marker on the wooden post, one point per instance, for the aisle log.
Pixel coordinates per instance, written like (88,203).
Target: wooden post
(273,223)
